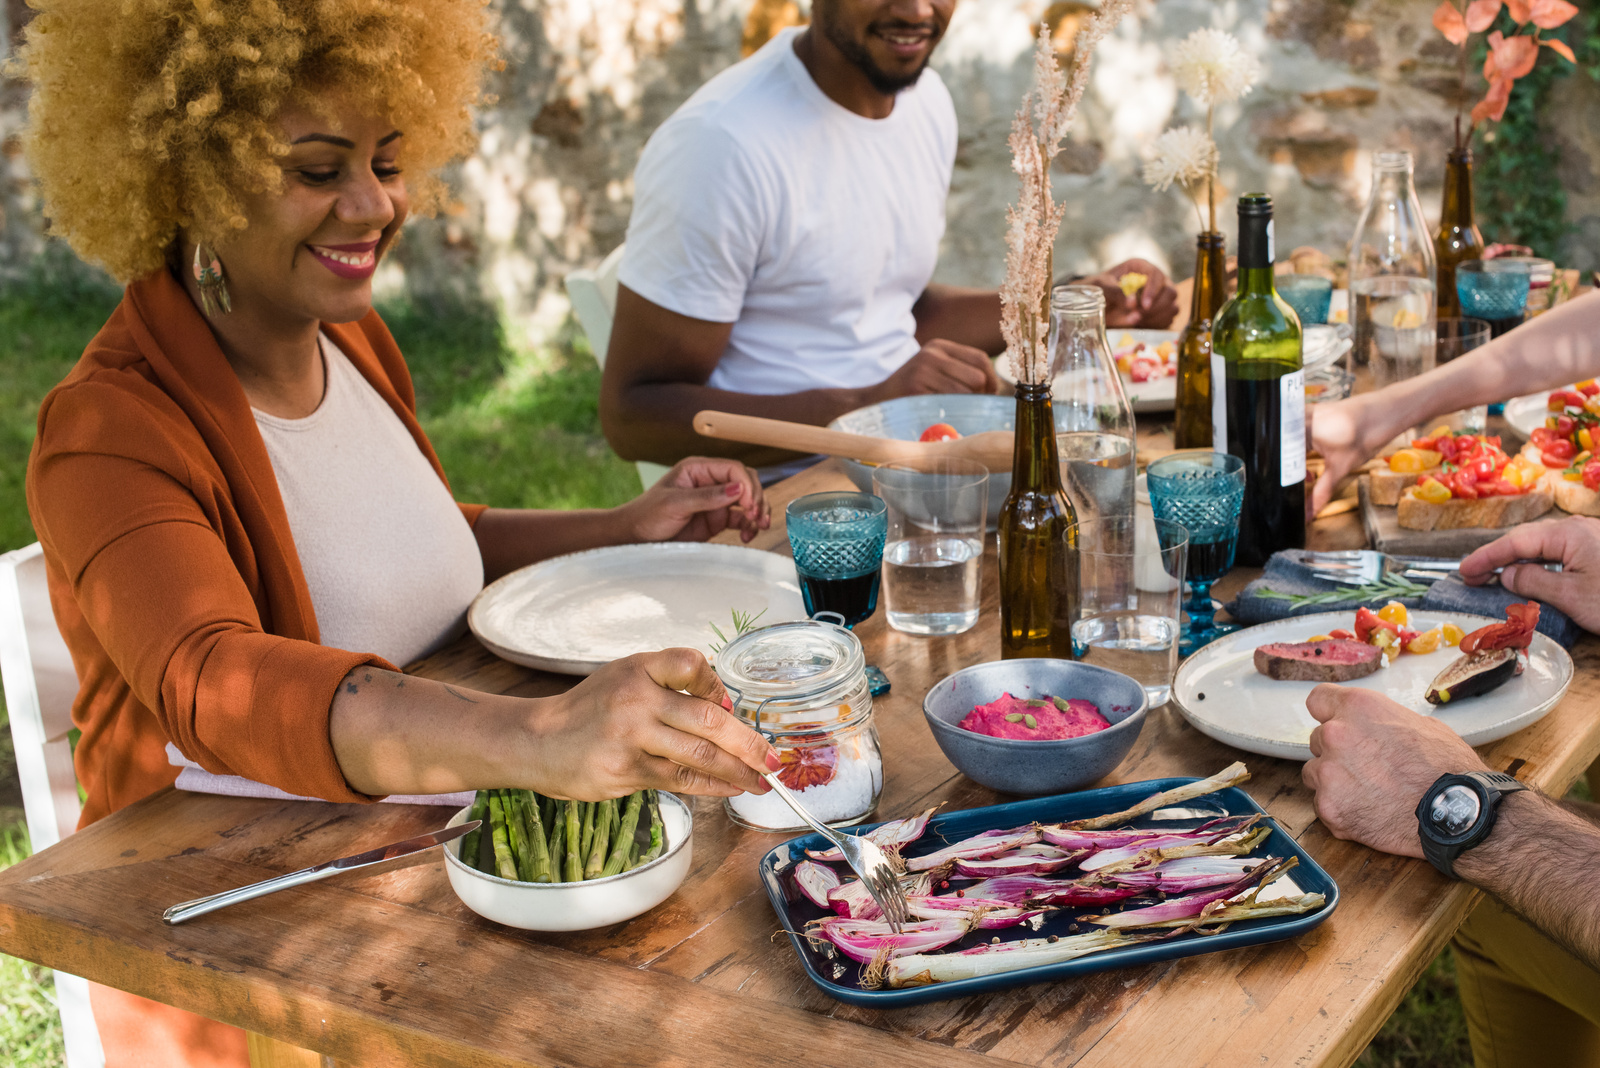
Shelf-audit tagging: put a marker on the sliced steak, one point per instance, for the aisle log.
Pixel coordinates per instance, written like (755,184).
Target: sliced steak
(1333,660)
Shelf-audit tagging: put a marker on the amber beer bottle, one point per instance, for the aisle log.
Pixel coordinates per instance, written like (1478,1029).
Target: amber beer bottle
(1038,589)
(1193,417)
(1458,238)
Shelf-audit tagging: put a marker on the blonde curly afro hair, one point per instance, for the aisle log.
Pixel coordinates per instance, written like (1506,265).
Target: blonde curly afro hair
(151,115)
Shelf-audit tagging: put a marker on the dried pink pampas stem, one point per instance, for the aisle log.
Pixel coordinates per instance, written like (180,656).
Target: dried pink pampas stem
(1040,125)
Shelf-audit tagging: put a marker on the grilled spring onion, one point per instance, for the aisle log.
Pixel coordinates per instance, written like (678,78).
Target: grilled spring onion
(541,840)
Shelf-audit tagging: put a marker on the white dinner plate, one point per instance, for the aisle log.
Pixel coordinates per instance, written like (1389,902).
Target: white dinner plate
(1525,414)
(1219,690)
(576,613)
(1157,395)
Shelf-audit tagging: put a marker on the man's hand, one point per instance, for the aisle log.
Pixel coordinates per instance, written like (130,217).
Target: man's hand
(698,499)
(653,720)
(1152,305)
(940,367)
(1574,542)
(1371,762)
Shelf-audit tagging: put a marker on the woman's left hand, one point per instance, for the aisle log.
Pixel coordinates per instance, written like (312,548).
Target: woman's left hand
(698,499)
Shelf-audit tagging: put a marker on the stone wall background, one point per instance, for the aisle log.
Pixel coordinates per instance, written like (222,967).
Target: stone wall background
(550,187)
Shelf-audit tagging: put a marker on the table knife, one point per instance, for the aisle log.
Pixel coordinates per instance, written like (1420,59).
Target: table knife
(188,910)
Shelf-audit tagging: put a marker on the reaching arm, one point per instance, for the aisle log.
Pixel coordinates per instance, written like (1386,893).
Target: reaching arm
(659,362)
(1560,347)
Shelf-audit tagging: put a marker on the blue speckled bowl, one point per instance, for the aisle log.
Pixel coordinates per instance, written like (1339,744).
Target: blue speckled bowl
(905,418)
(1035,768)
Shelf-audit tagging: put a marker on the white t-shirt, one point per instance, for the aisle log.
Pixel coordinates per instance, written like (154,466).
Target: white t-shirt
(390,560)
(812,229)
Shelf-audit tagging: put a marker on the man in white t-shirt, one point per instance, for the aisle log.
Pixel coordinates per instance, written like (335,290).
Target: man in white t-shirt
(785,229)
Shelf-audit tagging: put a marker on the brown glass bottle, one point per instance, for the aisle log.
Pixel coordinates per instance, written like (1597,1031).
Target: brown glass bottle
(1192,429)
(1458,238)
(1038,589)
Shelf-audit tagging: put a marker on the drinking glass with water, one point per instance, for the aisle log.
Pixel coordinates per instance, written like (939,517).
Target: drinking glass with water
(1130,583)
(837,540)
(938,511)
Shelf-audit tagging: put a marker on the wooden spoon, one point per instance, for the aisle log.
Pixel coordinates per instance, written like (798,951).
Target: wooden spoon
(992,448)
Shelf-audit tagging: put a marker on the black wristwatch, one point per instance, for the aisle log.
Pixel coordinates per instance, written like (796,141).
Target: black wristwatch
(1457,812)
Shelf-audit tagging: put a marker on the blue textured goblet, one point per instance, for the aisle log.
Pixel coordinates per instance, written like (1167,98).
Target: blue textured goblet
(1204,492)
(1494,290)
(837,540)
(1309,295)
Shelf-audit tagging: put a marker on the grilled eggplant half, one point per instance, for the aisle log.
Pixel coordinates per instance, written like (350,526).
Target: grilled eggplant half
(1474,674)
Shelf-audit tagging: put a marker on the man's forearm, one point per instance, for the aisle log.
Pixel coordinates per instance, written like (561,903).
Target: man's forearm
(655,421)
(968,316)
(1540,859)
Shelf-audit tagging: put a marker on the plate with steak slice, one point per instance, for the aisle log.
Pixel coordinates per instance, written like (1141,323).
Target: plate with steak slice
(1249,688)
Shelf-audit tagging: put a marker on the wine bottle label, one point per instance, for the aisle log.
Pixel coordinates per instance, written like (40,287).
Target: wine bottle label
(1292,417)
(1219,402)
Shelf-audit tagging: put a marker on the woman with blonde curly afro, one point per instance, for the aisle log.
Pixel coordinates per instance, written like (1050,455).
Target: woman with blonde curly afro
(244,525)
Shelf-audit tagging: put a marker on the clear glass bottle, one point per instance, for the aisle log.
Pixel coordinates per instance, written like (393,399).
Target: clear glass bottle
(804,686)
(1094,421)
(1393,276)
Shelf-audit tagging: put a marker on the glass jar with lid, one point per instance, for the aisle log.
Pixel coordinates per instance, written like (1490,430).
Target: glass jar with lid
(804,686)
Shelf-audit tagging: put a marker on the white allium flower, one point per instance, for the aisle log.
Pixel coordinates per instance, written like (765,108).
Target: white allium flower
(1213,68)
(1184,154)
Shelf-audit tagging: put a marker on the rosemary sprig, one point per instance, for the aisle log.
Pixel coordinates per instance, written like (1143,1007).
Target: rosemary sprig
(1391,586)
(742,622)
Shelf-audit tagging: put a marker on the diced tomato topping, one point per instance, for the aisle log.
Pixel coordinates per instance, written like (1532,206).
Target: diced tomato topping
(1368,621)
(1591,475)
(1571,398)
(940,432)
(1564,425)
(1341,633)
(1499,487)
(1589,388)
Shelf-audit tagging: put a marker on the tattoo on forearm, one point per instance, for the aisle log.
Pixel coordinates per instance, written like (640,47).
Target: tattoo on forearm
(458,695)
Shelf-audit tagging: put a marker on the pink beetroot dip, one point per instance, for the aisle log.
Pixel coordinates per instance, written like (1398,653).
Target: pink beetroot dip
(1053,722)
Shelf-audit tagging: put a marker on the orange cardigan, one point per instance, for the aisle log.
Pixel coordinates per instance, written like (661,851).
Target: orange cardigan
(172,569)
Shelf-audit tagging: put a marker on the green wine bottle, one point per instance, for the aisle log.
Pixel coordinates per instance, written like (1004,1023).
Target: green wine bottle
(1258,394)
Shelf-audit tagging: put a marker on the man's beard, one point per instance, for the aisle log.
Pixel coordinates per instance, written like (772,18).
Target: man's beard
(856,52)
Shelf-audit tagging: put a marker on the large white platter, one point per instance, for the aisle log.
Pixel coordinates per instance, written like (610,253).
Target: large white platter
(1249,711)
(577,613)
(1525,414)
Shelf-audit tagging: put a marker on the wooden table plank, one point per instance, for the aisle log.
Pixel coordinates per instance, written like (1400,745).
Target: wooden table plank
(391,968)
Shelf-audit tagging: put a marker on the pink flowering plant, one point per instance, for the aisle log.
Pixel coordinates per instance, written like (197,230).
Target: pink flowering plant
(1510,57)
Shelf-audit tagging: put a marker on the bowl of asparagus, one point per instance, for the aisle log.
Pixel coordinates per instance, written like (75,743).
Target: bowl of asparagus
(546,865)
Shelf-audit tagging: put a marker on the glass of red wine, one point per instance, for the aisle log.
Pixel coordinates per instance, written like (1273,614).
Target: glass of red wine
(837,540)
(1202,491)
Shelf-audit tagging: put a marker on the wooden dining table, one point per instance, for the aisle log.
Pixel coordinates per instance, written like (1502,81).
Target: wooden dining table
(390,968)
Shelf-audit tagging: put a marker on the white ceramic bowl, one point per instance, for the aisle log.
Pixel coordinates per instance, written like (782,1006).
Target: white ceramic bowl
(578,906)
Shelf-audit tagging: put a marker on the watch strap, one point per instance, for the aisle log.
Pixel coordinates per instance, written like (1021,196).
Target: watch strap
(1491,786)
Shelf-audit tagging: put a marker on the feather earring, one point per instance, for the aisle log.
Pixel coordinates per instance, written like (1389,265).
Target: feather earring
(213,287)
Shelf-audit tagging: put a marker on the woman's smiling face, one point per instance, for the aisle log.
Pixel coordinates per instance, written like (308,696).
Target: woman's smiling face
(310,249)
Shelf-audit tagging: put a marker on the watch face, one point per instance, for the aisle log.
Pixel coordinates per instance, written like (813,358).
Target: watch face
(1455,810)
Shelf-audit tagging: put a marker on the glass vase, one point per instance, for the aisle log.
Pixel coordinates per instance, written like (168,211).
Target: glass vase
(1094,421)
(1393,276)
(1038,588)
(1192,428)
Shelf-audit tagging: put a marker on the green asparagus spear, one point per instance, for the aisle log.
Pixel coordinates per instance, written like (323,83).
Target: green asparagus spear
(633,855)
(516,833)
(588,830)
(469,842)
(558,843)
(658,834)
(573,861)
(538,845)
(505,863)
(624,837)
(602,840)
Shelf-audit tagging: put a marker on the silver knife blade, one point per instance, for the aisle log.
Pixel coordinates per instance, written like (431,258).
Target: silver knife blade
(188,910)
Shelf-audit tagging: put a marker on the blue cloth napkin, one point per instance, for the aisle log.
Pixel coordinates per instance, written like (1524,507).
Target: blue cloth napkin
(1288,572)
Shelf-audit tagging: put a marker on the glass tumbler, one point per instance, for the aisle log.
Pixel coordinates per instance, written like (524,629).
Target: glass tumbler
(933,559)
(1203,492)
(837,539)
(1458,336)
(1309,295)
(1495,291)
(1130,583)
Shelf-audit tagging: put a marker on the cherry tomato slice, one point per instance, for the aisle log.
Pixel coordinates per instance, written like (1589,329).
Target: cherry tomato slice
(940,432)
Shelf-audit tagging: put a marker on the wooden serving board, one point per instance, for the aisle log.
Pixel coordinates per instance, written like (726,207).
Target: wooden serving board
(1385,533)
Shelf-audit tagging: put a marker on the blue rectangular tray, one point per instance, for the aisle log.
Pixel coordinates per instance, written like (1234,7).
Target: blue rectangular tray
(795,911)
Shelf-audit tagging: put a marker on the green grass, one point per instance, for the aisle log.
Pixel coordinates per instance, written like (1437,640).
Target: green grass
(30,1029)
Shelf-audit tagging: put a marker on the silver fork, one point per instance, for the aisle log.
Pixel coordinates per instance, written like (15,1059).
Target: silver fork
(863,855)
(1357,567)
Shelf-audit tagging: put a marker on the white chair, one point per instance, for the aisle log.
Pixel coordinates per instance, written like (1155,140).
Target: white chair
(594,301)
(40,684)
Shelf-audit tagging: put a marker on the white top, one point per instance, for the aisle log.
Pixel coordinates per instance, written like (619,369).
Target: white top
(812,229)
(390,560)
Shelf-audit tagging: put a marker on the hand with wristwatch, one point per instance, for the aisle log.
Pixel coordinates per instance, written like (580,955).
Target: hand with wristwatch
(1457,812)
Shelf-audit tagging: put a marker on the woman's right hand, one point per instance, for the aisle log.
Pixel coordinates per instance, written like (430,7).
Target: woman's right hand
(627,727)
(1336,433)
